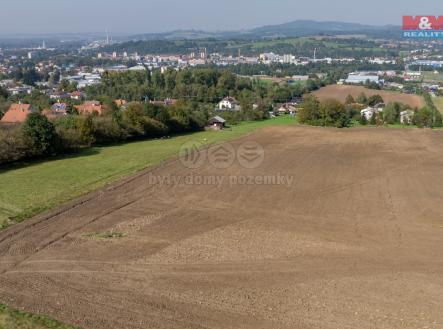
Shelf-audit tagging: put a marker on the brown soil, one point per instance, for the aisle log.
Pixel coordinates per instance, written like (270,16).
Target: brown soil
(354,242)
(340,92)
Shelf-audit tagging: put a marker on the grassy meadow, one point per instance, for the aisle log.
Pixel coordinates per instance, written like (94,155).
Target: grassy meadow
(438,101)
(13,319)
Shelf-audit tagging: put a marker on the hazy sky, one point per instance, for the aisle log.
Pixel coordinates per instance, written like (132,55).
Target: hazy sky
(139,16)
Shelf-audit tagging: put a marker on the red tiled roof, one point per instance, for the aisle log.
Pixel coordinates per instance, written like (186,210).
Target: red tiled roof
(17,113)
(90,107)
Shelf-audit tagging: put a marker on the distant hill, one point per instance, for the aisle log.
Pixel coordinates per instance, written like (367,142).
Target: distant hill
(297,28)
(308,28)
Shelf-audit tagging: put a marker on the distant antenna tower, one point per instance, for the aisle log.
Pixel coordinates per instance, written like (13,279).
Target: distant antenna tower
(107,36)
(315,53)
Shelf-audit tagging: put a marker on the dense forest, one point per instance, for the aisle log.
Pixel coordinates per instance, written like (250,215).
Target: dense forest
(202,85)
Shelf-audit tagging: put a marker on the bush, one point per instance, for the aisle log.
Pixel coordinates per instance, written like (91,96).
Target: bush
(427,118)
(363,121)
(134,114)
(107,130)
(86,129)
(12,145)
(69,139)
(154,128)
(330,113)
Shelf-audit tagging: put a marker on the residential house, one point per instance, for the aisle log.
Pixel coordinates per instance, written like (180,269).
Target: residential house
(216,123)
(286,109)
(406,117)
(17,113)
(295,101)
(229,104)
(58,95)
(90,107)
(77,95)
(371,110)
(57,110)
(20,90)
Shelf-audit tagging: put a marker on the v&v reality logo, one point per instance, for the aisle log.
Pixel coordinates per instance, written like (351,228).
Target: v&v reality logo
(423,27)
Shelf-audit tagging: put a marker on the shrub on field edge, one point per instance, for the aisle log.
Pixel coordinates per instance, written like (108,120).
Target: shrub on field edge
(39,135)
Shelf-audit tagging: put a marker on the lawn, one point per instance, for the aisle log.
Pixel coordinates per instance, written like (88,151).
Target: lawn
(438,101)
(28,189)
(432,77)
(13,319)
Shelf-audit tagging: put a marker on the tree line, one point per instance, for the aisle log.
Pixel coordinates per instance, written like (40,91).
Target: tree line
(40,137)
(332,113)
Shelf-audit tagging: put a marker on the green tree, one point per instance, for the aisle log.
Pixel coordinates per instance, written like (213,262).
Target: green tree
(374,100)
(134,114)
(4,105)
(362,99)
(39,134)
(427,117)
(85,126)
(3,93)
(349,100)
(333,114)
(226,82)
(30,77)
(391,113)
(310,111)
